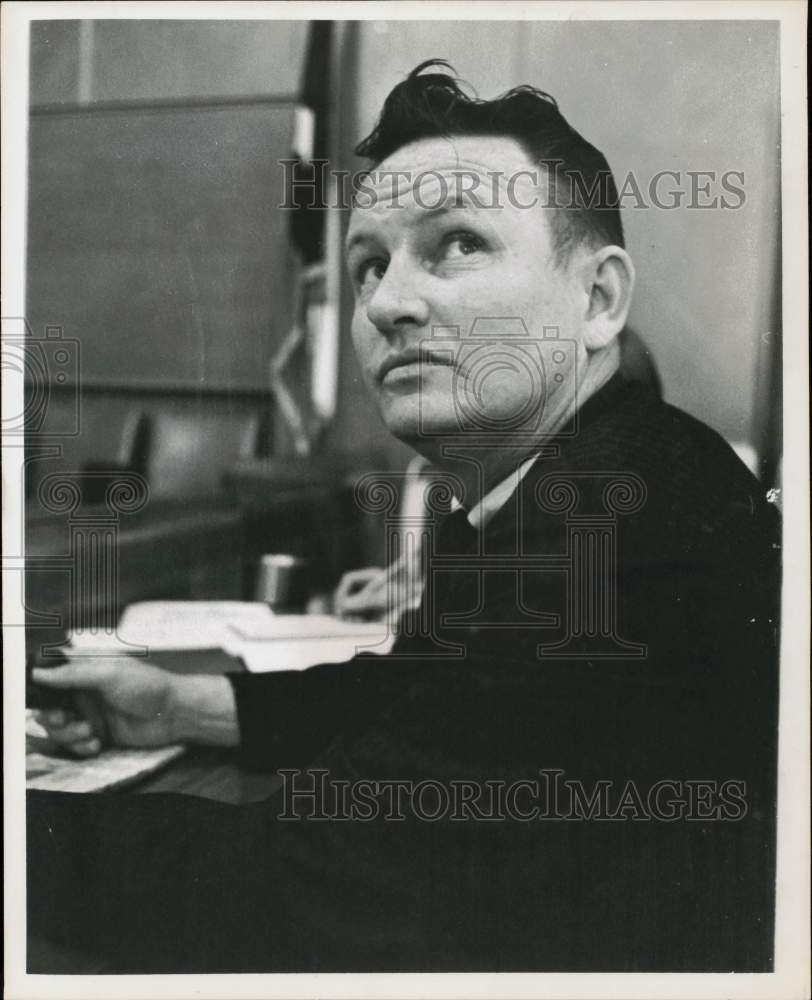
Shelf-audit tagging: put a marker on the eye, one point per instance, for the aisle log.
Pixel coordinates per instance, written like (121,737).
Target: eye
(370,271)
(462,244)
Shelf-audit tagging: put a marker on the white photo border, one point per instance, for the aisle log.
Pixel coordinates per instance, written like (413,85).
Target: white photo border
(791,976)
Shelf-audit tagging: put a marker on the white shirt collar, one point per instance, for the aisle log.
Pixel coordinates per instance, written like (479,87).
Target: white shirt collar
(482,512)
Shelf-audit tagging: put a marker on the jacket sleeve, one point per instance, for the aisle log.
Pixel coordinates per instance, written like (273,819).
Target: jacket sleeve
(288,717)
(704,697)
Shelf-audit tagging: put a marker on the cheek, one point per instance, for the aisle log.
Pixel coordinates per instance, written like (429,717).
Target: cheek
(363,341)
(506,293)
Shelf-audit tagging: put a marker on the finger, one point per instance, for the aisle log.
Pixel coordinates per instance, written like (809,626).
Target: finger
(87,748)
(356,579)
(69,736)
(354,594)
(358,600)
(345,586)
(55,717)
(369,604)
(353,605)
(89,710)
(378,585)
(71,732)
(87,674)
(340,600)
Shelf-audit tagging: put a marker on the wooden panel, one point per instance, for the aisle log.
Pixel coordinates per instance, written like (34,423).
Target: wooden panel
(155,239)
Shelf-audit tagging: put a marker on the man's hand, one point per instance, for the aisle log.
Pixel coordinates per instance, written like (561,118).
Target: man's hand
(133,704)
(362,592)
(382,594)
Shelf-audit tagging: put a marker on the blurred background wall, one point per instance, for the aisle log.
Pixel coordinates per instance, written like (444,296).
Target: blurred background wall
(681,96)
(90,61)
(154,236)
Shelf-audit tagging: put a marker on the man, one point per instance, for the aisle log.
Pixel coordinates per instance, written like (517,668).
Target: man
(384,594)
(591,672)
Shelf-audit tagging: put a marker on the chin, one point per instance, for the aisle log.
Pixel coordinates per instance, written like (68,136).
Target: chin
(405,421)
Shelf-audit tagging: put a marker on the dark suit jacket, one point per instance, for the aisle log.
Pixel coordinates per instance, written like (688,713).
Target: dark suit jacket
(620,623)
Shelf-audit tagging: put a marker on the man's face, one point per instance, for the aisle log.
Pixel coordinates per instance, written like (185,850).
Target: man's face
(421,263)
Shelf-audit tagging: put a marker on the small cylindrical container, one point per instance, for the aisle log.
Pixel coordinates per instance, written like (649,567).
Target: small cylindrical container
(282,582)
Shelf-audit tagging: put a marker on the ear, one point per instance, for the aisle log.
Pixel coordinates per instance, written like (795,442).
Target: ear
(609,283)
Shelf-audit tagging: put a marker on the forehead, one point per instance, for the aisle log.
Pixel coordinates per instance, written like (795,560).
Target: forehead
(483,153)
(492,174)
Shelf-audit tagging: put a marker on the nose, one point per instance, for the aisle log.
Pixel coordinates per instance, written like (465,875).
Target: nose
(397,301)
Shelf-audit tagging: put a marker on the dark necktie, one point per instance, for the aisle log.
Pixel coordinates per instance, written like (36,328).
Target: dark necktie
(456,536)
(441,592)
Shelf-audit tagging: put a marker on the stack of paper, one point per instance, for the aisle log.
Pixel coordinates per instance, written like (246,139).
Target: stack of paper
(295,642)
(166,625)
(248,630)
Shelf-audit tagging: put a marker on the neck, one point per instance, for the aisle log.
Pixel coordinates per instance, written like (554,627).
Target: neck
(480,468)
(600,367)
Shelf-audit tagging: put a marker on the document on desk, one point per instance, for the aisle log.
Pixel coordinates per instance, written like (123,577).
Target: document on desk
(168,625)
(47,771)
(249,630)
(296,642)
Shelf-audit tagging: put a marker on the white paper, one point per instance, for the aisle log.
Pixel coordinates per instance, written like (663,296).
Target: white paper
(46,771)
(296,642)
(167,625)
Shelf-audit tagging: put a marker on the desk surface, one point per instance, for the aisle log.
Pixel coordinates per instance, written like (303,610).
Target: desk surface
(201,771)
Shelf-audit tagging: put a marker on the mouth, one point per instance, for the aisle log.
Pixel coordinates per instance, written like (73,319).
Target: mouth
(409,362)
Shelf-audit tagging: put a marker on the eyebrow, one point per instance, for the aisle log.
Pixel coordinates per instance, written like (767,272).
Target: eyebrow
(452,203)
(357,239)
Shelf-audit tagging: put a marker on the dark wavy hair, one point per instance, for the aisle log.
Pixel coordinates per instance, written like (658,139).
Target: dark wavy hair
(582,192)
